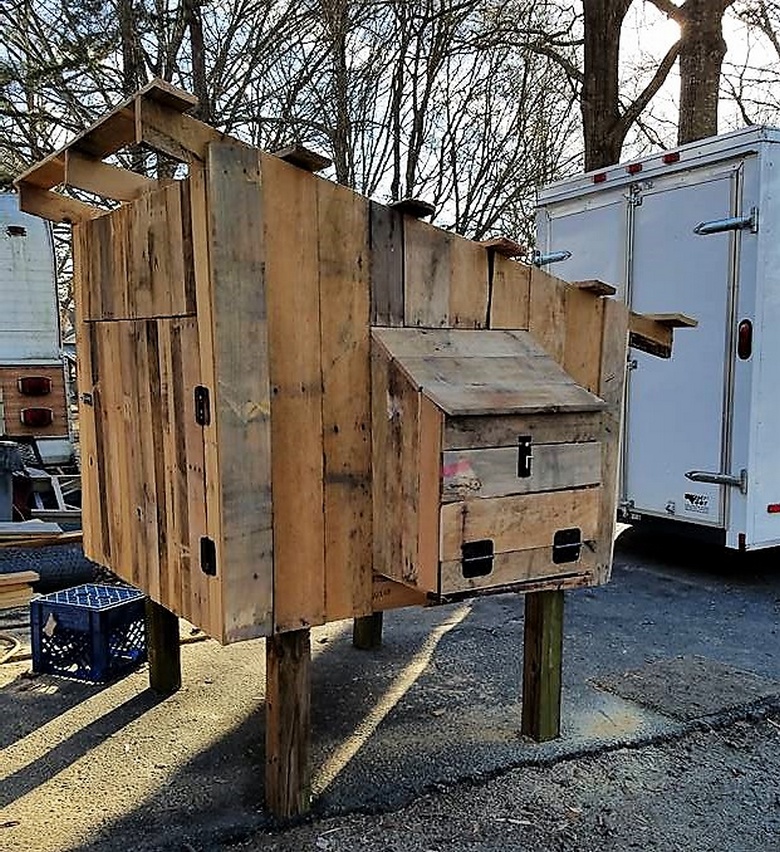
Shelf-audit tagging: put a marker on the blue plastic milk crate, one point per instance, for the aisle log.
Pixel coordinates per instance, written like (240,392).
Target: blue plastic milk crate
(91,632)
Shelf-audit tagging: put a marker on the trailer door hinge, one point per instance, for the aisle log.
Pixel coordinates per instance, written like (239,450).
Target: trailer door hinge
(730,223)
(202,406)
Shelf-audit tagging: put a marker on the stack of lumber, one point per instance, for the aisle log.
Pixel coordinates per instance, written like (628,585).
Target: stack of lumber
(16,588)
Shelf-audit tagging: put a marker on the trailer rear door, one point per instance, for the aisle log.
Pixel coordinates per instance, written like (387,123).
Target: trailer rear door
(678,412)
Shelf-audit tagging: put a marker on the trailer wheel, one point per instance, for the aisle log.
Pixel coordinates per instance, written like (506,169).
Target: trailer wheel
(59,566)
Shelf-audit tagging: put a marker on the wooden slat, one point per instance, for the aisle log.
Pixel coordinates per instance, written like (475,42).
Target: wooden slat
(463,433)
(93,175)
(468,298)
(390,594)
(468,474)
(292,281)
(547,313)
(303,158)
(593,285)
(387,265)
(611,388)
(427,273)
(343,250)
(519,566)
(431,428)
(518,523)
(650,336)
(510,293)
(240,402)
(673,320)
(504,246)
(173,133)
(53,206)
(19,578)
(403,343)
(582,346)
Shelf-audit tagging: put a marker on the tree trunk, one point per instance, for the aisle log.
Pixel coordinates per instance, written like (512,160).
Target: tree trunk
(197,47)
(702,51)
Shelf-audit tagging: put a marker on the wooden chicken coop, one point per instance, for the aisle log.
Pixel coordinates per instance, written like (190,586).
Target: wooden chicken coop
(298,405)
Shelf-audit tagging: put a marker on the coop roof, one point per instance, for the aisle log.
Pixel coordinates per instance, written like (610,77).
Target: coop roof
(472,372)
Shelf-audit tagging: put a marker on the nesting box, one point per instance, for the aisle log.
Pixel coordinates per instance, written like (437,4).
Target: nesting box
(483,477)
(299,405)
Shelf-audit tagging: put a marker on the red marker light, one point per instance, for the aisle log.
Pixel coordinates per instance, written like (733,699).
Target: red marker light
(600,177)
(745,340)
(671,157)
(34,385)
(634,168)
(773,508)
(37,418)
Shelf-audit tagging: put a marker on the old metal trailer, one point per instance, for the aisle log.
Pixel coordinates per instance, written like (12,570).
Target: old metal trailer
(693,230)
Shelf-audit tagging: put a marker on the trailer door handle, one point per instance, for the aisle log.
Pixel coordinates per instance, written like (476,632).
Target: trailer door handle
(731,223)
(740,481)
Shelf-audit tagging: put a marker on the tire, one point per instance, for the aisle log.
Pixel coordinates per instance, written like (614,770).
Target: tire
(59,566)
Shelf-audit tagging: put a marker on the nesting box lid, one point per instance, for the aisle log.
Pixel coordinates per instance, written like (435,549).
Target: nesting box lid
(484,372)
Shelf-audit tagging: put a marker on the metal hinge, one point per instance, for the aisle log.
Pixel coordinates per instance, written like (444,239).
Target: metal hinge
(712,478)
(202,406)
(730,223)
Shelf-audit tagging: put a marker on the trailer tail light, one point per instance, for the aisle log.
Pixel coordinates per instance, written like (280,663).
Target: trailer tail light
(37,418)
(745,340)
(34,385)
(634,168)
(773,508)
(600,177)
(671,157)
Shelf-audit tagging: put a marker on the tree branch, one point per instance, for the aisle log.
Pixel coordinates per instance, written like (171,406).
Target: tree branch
(637,107)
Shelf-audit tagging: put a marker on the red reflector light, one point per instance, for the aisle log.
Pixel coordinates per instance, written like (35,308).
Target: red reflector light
(600,177)
(34,385)
(634,168)
(773,508)
(37,417)
(672,157)
(745,340)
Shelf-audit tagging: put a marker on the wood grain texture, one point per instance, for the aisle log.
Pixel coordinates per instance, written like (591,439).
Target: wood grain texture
(431,427)
(162,642)
(463,433)
(468,474)
(427,273)
(386,265)
(240,269)
(547,313)
(542,665)
(343,250)
(582,346)
(510,293)
(522,522)
(288,722)
(516,567)
(295,354)
(469,285)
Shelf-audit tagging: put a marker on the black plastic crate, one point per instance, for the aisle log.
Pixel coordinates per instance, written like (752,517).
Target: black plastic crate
(90,632)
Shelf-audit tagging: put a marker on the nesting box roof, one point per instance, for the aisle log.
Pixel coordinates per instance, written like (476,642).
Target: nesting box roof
(472,372)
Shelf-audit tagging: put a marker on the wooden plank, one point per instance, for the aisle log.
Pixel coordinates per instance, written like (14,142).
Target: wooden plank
(463,433)
(582,346)
(427,273)
(387,265)
(303,158)
(164,649)
(404,343)
(542,665)
(55,207)
(240,402)
(504,247)
(19,578)
(468,302)
(673,320)
(93,175)
(294,327)
(509,293)
(593,285)
(288,720)
(547,313)
(650,336)
(522,522)
(390,594)
(173,133)
(611,388)
(516,567)
(482,473)
(431,428)
(367,632)
(343,250)
(415,207)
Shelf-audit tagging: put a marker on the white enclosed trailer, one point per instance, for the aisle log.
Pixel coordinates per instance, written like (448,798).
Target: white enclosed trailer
(695,230)
(33,396)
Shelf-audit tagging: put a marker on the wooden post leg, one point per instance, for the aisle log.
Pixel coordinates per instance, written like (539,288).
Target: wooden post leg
(543,646)
(367,631)
(287,711)
(163,647)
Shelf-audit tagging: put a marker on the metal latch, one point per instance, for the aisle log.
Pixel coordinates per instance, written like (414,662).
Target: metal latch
(524,456)
(740,481)
(730,223)
(539,259)
(202,406)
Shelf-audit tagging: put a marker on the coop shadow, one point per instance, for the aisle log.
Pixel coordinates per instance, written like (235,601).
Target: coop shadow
(358,698)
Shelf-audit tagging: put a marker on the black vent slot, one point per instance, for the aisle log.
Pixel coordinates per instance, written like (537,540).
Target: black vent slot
(202,406)
(208,556)
(524,456)
(477,558)
(567,545)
